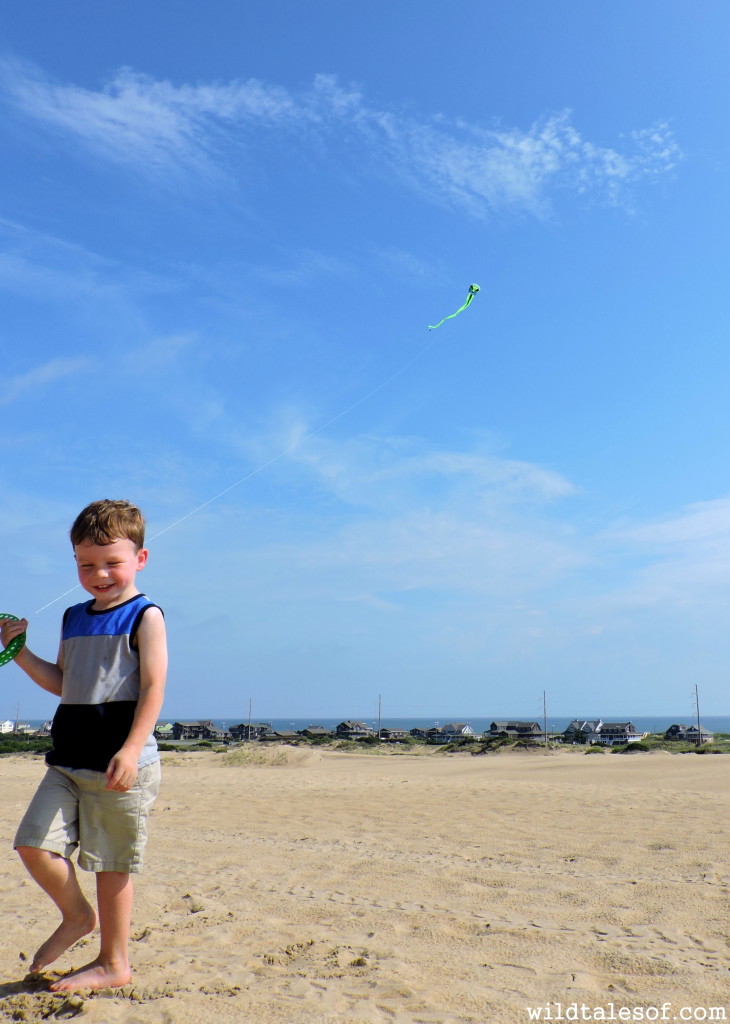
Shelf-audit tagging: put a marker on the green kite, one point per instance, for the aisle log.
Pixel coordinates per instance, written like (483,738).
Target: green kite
(473,289)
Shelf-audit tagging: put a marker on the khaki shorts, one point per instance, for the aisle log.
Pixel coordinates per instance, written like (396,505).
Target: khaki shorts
(72,809)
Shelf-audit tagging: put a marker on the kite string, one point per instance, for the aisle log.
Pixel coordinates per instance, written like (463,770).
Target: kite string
(270,462)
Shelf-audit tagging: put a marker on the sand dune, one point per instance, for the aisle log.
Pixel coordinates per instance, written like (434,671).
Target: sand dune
(297,884)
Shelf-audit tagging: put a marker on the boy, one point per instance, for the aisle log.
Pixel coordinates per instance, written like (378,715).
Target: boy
(103,771)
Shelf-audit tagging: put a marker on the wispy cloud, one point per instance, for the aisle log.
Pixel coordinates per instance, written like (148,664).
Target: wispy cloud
(301,268)
(490,169)
(390,516)
(49,268)
(685,557)
(38,378)
(406,265)
(703,523)
(370,470)
(398,515)
(135,120)
(160,130)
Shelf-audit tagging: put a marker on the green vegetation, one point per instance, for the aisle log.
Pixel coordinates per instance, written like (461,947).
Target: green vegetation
(372,745)
(638,747)
(10,743)
(657,741)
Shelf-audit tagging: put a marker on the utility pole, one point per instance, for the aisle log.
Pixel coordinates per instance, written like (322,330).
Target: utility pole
(379,708)
(697,708)
(544,716)
(248,737)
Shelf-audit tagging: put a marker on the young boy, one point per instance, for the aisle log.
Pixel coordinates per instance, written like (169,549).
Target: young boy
(103,771)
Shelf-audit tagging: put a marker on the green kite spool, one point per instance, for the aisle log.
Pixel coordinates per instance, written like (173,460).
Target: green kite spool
(15,646)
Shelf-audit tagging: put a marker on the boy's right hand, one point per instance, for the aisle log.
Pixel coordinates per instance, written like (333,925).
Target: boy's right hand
(10,628)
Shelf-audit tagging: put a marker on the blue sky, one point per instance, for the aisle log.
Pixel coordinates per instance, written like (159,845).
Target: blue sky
(224,230)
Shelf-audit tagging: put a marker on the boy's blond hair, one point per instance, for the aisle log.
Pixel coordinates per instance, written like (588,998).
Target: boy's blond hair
(103,522)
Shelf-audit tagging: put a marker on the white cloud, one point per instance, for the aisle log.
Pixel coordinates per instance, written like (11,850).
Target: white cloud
(136,120)
(441,552)
(407,266)
(301,268)
(512,168)
(39,377)
(161,129)
(686,559)
(49,268)
(369,470)
(704,524)
(387,516)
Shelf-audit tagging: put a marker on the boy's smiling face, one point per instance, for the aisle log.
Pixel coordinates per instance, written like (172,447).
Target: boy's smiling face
(108,571)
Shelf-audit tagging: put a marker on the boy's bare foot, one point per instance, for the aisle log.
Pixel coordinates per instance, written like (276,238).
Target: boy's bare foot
(70,930)
(95,975)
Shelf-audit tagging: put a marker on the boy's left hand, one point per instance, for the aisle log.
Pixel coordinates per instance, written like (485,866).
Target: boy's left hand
(122,771)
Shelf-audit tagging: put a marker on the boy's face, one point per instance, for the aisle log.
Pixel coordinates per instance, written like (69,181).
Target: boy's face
(108,571)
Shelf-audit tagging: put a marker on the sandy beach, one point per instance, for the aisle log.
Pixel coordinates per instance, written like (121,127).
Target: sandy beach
(296,884)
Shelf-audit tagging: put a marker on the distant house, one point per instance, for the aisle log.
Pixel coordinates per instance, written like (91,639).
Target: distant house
(393,735)
(515,730)
(352,730)
(164,731)
(457,731)
(589,728)
(316,732)
(613,733)
(280,736)
(21,728)
(450,732)
(254,731)
(689,733)
(198,731)
(419,733)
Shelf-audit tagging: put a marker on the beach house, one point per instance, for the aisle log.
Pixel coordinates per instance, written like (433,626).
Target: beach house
(589,729)
(393,735)
(689,733)
(450,732)
(613,733)
(249,730)
(352,730)
(198,731)
(316,732)
(515,730)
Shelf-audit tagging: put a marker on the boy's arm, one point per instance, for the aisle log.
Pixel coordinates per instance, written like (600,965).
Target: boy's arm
(47,675)
(152,644)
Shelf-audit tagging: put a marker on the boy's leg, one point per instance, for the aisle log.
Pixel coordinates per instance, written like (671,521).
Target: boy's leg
(46,838)
(57,877)
(115,894)
(113,827)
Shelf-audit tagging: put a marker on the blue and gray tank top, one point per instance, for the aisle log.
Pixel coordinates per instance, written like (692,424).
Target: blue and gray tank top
(101,685)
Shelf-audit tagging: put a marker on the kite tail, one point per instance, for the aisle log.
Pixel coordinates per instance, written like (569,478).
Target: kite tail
(473,289)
